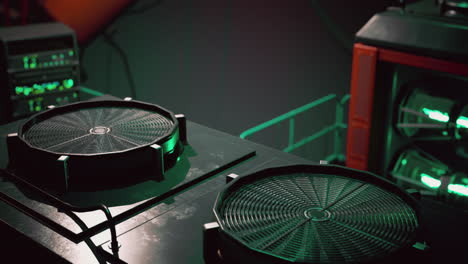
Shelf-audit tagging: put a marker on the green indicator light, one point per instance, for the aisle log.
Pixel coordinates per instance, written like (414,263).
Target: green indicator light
(19,90)
(58,100)
(62,62)
(62,56)
(25,59)
(462,121)
(26,65)
(54,57)
(27,91)
(46,64)
(56,63)
(403,162)
(463,4)
(37,108)
(436,115)
(31,105)
(75,95)
(429,181)
(33,65)
(70,53)
(458,189)
(68,83)
(445,133)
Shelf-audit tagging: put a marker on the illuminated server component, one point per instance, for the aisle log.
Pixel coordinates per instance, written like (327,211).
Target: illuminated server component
(408,114)
(96,144)
(39,67)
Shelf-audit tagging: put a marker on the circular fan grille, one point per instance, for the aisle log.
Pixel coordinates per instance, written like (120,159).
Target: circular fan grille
(317,218)
(98,130)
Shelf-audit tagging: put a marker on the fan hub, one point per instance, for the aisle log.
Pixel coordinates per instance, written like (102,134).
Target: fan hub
(99,130)
(317,214)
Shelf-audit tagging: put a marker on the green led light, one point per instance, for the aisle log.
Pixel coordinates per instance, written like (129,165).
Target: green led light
(70,53)
(75,95)
(19,90)
(404,162)
(26,66)
(27,90)
(462,121)
(68,83)
(458,189)
(33,65)
(54,57)
(463,4)
(61,55)
(436,115)
(429,181)
(25,59)
(31,105)
(445,133)
(37,108)
(46,64)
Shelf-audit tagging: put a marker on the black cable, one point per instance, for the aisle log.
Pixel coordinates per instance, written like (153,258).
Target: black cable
(108,37)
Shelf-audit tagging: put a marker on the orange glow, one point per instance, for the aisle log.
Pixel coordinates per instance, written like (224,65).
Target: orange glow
(86,17)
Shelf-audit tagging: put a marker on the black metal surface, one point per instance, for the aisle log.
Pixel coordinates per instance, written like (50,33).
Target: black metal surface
(428,35)
(209,153)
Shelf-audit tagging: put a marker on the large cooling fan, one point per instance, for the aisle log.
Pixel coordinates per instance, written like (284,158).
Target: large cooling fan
(314,214)
(97,139)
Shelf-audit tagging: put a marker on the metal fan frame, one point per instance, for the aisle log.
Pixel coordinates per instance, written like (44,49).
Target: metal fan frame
(164,141)
(153,158)
(364,176)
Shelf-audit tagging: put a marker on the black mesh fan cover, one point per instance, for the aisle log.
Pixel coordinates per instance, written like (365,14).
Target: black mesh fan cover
(106,142)
(315,214)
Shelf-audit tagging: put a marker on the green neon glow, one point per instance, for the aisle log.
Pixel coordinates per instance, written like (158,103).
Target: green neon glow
(38,108)
(33,65)
(31,105)
(445,133)
(463,4)
(54,57)
(462,121)
(19,90)
(403,162)
(68,83)
(25,59)
(458,189)
(75,95)
(37,88)
(429,181)
(70,53)
(436,115)
(91,91)
(61,55)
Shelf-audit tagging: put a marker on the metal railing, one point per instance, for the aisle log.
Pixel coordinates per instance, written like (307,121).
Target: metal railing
(337,127)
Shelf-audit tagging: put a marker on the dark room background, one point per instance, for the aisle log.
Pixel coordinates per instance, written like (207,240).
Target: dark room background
(231,65)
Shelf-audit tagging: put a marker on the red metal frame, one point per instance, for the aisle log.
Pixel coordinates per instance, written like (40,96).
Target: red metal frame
(364,67)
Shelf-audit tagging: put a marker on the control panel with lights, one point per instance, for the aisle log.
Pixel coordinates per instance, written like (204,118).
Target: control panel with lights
(39,66)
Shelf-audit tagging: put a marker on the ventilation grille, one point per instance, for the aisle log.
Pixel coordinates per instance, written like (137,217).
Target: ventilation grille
(98,130)
(317,218)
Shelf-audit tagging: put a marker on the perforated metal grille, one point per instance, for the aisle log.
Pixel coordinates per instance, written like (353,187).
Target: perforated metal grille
(312,218)
(98,130)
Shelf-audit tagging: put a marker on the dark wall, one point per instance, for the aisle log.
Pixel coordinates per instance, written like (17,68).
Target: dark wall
(231,64)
